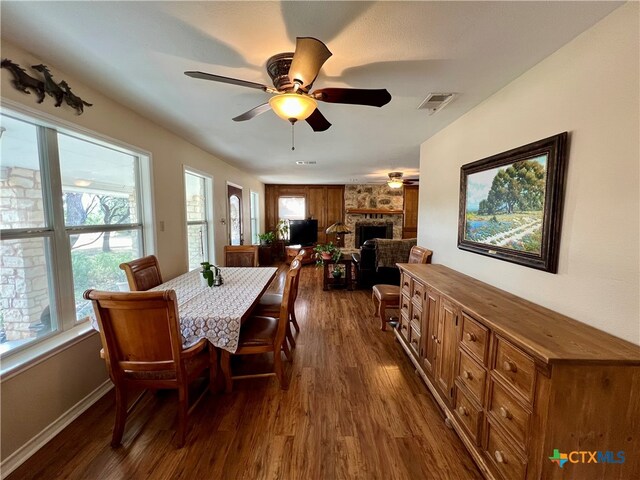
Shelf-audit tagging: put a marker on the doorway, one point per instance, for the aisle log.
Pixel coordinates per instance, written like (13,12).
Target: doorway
(234,194)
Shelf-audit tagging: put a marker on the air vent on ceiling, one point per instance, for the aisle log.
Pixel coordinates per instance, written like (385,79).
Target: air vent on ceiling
(436,102)
(300,162)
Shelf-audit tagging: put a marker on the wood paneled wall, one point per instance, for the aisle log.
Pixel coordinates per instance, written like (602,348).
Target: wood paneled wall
(324,203)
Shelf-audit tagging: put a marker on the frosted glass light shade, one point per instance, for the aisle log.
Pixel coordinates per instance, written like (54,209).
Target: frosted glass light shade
(294,106)
(394,183)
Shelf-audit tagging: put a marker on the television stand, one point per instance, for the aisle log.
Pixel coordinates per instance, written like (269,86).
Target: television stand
(293,250)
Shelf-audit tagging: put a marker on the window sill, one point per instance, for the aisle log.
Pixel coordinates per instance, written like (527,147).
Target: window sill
(29,357)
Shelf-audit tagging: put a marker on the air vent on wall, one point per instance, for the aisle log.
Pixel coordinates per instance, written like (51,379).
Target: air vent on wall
(436,102)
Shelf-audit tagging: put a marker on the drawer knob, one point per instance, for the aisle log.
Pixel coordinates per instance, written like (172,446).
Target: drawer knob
(416,317)
(462,411)
(414,341)
(433,337)
(467,375)
(404,327)
(406,284)
(505,413)
(499,457)
(471,337)
(438,340)
(509,366)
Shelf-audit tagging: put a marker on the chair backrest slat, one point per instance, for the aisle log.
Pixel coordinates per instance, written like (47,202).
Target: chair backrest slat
(241,255)
(139,330)
(142,273)
(420,255)
(288,298)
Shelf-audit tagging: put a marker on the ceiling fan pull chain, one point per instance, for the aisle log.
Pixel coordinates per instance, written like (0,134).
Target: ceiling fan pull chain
(293,145)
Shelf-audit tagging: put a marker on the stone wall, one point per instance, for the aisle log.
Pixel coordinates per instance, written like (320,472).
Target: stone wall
(372,196)
(24,292)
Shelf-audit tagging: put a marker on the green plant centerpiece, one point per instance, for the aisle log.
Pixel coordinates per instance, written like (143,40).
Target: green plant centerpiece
(207,273)
(267,238)
(338,271)
(325,252)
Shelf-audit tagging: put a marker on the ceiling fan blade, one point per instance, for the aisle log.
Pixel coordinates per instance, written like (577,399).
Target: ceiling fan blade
(254,112)
(318,122)
(232,81)
(307,60)
(354,96)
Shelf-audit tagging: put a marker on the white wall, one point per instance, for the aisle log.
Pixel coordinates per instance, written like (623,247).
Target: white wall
(590,88)
(30,404)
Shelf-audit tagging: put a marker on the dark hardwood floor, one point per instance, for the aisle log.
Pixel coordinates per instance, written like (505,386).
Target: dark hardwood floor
(355,410)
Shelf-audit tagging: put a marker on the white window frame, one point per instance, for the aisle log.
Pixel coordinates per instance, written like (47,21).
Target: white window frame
(59,270)
(210,247)
(254,216)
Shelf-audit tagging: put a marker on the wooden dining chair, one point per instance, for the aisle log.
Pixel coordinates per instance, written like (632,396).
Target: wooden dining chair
(241,255)
(142,273)
(142,347)
(388,296)
(270,303)
(262,334)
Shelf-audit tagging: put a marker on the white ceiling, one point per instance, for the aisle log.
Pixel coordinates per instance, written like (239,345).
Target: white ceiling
(136,53)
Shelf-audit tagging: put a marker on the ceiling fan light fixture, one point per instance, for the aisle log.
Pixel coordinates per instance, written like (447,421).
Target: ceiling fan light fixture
(394,183)
(293,106)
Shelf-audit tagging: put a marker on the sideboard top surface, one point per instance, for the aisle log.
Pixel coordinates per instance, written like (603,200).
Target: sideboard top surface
(548,336)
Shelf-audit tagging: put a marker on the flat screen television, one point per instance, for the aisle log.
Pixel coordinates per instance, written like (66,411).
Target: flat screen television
(303,232)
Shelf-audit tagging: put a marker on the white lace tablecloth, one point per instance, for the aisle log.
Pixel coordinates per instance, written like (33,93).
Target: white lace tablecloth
(215,313)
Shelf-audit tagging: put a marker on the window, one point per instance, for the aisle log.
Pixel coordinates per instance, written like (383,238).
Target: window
(255,220)
(290,208)
(71,211)
(198,189)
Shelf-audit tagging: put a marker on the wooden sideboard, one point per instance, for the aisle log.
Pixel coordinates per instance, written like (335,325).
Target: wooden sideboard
(517,381)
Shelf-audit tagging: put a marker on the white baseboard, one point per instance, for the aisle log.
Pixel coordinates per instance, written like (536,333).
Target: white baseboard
(21,455)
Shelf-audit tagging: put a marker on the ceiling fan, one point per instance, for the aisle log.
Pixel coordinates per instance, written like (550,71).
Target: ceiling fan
(396,180)
(293,75)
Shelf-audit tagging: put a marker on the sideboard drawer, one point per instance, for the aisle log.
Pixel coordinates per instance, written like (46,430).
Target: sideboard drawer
(503,456)
(509,413)
(472,375)
(516,367)
(417,293)
(469,414)
(405,305)
(415,341)
(416,318)
(475,337)
(403,326)
(406,285)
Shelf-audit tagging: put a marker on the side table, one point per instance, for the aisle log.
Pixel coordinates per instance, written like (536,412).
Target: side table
(344,281)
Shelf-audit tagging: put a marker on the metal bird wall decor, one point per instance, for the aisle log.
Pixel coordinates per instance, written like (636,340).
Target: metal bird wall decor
(61,92)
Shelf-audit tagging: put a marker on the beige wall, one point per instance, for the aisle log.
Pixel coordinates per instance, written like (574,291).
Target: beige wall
(29,403)
(590,88)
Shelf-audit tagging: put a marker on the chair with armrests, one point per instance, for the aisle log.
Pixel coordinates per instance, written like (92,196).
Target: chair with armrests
(142,347)
(262,334)
(241,255)
(270,303)
(388,296)
(142,273)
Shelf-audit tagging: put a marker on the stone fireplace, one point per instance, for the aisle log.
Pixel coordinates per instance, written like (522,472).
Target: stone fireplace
(372,211)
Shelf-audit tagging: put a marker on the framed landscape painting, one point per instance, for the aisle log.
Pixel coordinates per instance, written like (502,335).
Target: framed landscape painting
(511,204)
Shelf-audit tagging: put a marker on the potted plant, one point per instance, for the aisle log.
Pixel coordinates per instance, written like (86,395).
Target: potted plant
(282,228)
(267,238)
(326,252)
(338,271)
(207,274)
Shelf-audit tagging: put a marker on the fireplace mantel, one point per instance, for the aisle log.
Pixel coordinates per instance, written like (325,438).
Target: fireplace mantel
(374,211)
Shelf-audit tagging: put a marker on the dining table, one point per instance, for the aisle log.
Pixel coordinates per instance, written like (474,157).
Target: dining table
(217,312)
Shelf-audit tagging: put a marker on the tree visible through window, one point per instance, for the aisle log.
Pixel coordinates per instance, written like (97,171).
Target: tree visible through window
(51,258)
